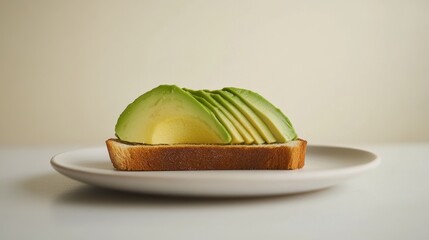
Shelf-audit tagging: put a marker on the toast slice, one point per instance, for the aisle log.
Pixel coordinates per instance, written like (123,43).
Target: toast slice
(140,157)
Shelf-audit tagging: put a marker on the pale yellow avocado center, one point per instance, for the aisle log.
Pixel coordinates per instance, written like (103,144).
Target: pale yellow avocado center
(182,130)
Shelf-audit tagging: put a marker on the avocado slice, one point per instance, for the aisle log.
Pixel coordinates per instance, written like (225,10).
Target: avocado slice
(248,139)
(276,121)
(238,115)
(169,115)
(236,137)
(254,119)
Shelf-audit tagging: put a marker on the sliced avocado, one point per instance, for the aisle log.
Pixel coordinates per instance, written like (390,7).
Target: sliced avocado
(169,115)
(238,115)
(248,139)
(277,122)
(236,137)
(254,119)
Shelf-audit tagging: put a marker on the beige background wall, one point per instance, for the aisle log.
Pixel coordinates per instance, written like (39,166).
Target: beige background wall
(343,71)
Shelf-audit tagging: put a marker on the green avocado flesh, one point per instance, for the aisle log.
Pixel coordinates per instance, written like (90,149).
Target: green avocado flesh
(236,137)
(239,116)
(276,121)
(250,115)
(171,115)
(248,139)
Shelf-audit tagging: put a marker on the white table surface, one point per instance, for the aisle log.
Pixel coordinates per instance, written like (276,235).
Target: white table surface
(390,202)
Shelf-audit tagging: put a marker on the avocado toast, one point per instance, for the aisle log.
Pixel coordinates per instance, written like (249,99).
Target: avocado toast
(171,128)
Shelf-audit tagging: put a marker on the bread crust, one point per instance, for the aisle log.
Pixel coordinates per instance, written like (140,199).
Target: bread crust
(139,157)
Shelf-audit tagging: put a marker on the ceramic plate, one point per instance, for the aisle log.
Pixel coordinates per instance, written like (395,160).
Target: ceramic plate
(325,166)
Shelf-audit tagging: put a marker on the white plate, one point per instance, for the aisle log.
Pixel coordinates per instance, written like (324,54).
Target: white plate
(324,167)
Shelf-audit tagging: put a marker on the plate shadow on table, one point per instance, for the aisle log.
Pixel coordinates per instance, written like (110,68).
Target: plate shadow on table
(66,191)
